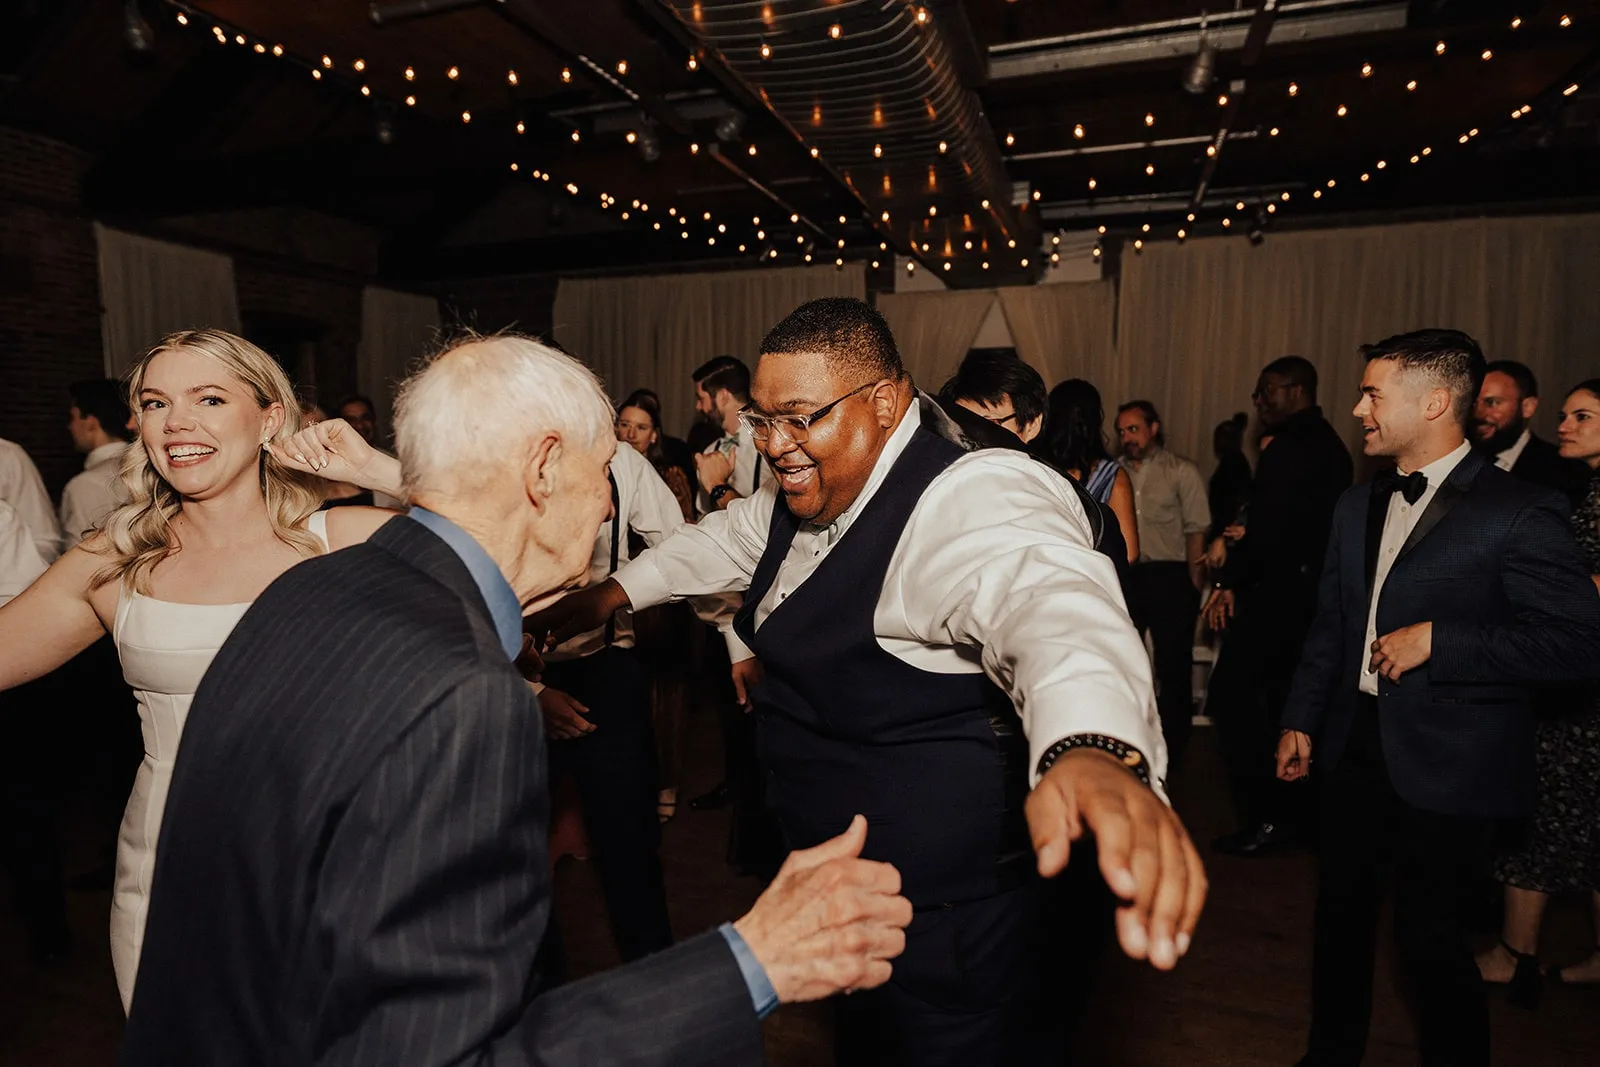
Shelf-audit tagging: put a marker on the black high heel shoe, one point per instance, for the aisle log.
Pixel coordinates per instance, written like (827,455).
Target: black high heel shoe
(1525,985)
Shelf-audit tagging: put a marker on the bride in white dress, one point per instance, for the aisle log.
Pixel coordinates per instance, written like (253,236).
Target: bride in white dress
(221,502)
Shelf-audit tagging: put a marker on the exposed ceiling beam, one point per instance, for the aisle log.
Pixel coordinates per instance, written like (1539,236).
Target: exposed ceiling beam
(1305,20)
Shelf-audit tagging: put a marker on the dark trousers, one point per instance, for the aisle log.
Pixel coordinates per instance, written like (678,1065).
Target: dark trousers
(1245,698)
(30,801)
(970,989)
(1371,837)
(1163,600)
(615,770)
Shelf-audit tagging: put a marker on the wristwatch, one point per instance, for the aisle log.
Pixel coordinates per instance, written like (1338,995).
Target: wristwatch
(719,491)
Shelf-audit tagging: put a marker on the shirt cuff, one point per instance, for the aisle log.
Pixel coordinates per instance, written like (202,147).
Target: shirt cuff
(644,583)
(762,996)
(738,651)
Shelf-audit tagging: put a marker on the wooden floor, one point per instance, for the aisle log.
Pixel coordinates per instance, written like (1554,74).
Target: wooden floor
(1238,1000)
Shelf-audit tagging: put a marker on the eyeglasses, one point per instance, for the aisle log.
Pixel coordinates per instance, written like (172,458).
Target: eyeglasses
(1001,420)
(795,427)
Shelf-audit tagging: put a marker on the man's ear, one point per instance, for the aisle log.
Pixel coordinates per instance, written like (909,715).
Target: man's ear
(1530,404)
(1031,430)
(885,399)
(541,474)
(1438,404)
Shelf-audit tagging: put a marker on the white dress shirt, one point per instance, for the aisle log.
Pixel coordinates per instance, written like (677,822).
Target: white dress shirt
(1508,459)
(94,493)
(1401,519)
(23,489)
(20,562)
(996,572)
(647,507)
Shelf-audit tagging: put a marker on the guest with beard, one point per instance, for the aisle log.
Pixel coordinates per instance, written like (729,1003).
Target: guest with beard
(1502,432)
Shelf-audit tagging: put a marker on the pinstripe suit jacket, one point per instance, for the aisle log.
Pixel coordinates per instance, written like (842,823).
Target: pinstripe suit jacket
(352,866)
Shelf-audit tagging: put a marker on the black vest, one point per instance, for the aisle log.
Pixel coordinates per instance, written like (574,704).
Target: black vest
(936,762)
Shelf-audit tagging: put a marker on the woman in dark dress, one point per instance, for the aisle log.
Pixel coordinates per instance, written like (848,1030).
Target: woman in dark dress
(1561,853)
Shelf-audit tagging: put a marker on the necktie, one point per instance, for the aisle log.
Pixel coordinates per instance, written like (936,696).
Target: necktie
(1411,486)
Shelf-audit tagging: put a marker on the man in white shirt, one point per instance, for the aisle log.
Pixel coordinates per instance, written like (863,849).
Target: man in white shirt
(20,562)
(961,669)
(1450,590)
(23,488)
(595,697)
(98,423)
(729,468)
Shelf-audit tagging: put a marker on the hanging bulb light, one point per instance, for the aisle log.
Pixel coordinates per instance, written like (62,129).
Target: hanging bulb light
(766,50)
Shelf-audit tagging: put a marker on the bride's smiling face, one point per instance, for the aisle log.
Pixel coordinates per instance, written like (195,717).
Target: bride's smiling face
(201,425)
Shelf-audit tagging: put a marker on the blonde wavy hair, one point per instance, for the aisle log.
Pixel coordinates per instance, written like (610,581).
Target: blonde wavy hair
(138,535)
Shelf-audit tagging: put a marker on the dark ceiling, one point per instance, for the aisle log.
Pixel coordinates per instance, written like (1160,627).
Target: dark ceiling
(1053,115)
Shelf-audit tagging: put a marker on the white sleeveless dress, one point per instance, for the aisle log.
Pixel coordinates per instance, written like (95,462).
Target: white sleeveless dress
(165,648)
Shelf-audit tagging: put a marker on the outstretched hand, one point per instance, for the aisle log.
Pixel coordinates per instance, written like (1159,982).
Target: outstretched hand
(330,449)
(1145,853)
(830,922)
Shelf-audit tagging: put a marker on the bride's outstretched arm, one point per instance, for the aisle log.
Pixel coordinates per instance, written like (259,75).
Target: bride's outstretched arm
(52,620)
(332,449)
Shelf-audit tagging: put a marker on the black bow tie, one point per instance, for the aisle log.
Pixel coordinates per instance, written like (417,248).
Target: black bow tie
(1411,486)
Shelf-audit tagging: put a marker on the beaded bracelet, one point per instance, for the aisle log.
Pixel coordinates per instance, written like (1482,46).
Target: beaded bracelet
(1130,757)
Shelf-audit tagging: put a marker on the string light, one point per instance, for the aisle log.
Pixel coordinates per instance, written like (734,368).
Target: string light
(985,203)
(694,148)
(1382,163)
(1272,209)
(573,189)
(622,66)
(453,73)
(183,20)
(1367,177)
(922,16)
(1273,132)
(511,77)
(1516,23)
(1222,101)
(1294,89)
(317,74)
(877,151)
(1569,90)
(327,61)
(466,116)
(1315,195)
(1037,194)
(631,137)
(277,50)
(694,64)
(411,101)
(1149,118)
(885,216)
(1366,70)
(1411,86)
(947,264)
(751,150)
(794,218)
(1211,151)
(933,210)
(1487,55)
(238,38)
(365,91)
(985,264)
(836,31)
(1331,183)
(1077,131)
(1024,262)
(260,49)
(911,266)
(1150,170)
(1182,234)
(1343,111)
(1010,140)
(576,137)
(1239,206)
(1439,49)
(1425,151)
(1566,21)
(359,65)
(1138,244)
(1145,228)
(943,147)
(1283,196)
(566,74)
(814,152)
(1092,184)
(411,74)
(522,127)
(766,50)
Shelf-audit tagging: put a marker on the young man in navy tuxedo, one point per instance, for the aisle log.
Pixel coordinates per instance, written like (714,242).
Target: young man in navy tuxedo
(1449,589)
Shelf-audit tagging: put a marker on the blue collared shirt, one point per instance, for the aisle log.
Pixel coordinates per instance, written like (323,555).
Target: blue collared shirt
(504,607)
(506,611)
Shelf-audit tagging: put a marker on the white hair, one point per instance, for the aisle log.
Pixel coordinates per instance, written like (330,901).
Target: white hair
(460,420)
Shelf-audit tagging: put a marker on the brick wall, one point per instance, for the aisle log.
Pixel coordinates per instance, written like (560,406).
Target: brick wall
(49,297)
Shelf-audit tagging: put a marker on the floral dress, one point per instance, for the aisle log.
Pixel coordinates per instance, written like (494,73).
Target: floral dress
(1561,852)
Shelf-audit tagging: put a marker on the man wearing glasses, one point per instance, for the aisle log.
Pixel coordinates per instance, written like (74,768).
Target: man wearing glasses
(947,654)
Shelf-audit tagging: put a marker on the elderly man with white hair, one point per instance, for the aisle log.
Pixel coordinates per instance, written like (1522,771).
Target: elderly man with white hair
(353,867)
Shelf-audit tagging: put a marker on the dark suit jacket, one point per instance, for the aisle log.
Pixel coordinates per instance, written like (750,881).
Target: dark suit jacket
(1296,485)
(1541,464)
(352,865)
(1493,565)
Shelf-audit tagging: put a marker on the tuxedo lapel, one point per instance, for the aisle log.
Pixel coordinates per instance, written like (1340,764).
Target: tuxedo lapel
(1444,500)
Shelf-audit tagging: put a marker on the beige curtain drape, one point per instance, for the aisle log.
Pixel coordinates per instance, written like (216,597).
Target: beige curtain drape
(934,330)
(654,330)
(151,288)
(1065,331)
(1197,321)
(398,330)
